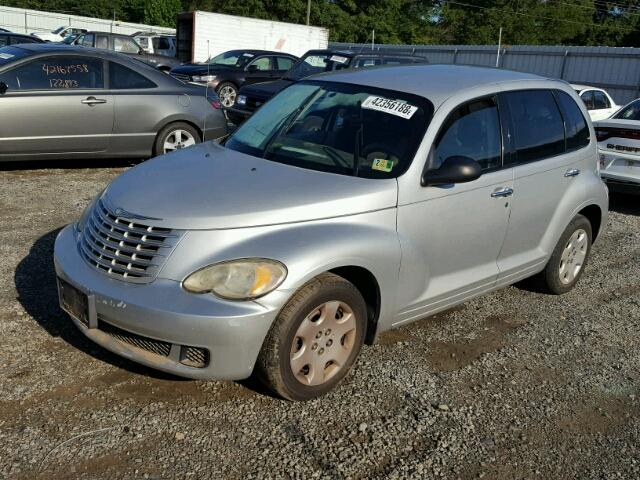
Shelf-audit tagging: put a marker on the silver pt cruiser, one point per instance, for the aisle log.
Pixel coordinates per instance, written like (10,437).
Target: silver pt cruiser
(350,204)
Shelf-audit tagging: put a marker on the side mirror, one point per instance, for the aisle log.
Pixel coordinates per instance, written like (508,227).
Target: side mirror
(3,88)
(456,169)
(252,68)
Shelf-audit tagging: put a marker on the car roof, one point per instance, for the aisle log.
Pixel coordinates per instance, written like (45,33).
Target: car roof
(434,82)
(579,87)
(11,34)
(259,52)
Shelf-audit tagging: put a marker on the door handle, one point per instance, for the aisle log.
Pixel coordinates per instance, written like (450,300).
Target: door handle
(503,192)
(572,172)
(91,101)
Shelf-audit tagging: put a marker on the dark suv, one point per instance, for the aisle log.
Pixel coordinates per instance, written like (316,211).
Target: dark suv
(127,45)
(9,38)
(229,71)
(251,97)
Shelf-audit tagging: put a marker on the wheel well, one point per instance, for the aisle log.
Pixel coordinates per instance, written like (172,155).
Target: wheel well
(594,215)
(164,68)
(197,128)
(367,284)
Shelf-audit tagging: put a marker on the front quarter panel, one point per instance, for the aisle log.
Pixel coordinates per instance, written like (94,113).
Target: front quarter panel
(307,249)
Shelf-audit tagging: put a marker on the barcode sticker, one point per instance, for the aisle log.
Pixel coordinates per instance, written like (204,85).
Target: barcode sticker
(394,107)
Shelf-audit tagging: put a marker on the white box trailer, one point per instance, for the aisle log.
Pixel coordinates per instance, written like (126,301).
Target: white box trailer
(204,34)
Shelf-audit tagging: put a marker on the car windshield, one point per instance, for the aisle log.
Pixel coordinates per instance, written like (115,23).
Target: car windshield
(317,63)
(232,59)
(339,128)
(630,112)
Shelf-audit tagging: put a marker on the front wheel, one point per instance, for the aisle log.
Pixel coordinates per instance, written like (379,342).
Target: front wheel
(175,136)
(227,92)
(569,258)
(315,339)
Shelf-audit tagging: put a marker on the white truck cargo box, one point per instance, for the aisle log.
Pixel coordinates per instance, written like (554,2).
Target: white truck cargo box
(204,34)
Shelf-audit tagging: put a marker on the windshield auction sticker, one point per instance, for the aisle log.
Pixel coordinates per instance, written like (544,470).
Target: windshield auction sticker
(382,165)
(394,107)
(338,58)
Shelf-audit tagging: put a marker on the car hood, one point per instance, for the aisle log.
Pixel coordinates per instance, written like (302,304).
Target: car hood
(265,90)
(211,187)
(201,69)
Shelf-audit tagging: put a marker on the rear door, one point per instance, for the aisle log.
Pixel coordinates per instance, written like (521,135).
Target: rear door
(545,163)
(282,65)
(57,104)
(260,69)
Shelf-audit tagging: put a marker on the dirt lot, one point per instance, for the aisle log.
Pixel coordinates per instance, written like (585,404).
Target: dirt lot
(512,385)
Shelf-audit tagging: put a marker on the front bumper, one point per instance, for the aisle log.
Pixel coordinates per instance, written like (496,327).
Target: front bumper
(231,332)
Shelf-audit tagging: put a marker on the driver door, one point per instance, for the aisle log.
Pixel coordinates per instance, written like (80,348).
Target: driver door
(455,232)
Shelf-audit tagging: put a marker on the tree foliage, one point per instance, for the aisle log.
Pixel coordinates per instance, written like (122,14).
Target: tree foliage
(542,22)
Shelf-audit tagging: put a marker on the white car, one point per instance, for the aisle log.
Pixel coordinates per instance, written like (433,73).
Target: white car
(619,148)
(59,34)
(599,103)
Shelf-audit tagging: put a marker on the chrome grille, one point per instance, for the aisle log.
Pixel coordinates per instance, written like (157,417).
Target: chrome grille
(181,76)
(125,249)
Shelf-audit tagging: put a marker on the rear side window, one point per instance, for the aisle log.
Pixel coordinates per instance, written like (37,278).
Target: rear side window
(125,45)
(121,77)
(284,63)
(587,98)
(86,40)
(472,130)
(577,131)
(600,100)
(538,129)
(4,40)
(102,41)
(56,73)
(396,60)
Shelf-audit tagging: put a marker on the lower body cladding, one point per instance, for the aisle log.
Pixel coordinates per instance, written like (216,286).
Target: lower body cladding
(159,324)
(620,171)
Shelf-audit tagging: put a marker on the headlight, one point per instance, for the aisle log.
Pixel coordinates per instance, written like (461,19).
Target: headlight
(82,221)
(242,279)
(241,100)
(204,78)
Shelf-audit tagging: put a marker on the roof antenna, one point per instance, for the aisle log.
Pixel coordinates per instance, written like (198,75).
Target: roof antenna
(206,96)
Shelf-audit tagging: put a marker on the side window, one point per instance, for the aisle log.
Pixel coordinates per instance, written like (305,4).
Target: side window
(102,41)
(121,77)
(537,124)
(56,73)
(15,40)
(367,62)
(472,130)
(4,40)
(86,40)
(576,129)
(163,44)
(284,63)
(125,45)
(261,64)
(396,60)
(587,98)
(600,100)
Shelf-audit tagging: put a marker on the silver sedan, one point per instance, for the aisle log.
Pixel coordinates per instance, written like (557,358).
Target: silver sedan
(71,102)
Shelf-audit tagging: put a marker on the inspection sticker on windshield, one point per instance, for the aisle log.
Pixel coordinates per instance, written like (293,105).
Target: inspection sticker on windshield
(248,55)
(382,165)
(6,56)
(394,107)
(338,58)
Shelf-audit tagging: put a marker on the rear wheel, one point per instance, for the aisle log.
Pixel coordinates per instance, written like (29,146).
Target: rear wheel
(175,136)
(315,339)
(569,258)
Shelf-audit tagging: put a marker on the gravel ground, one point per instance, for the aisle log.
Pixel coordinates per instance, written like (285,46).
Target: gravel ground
(512,385)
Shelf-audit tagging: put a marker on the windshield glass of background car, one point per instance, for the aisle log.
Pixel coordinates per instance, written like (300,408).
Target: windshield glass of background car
(338,128)
(630,112)
(313,64)
(232,59)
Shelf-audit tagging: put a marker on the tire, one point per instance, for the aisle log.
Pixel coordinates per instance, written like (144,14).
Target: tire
(330,353)
(567,257)
(187,132)
(228,93)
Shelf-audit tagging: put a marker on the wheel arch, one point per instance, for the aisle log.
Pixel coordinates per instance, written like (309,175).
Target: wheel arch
(593,213)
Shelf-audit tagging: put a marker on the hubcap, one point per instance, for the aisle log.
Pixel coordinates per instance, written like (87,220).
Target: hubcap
(178,139)
(573,256)
(323,342)
(227,96)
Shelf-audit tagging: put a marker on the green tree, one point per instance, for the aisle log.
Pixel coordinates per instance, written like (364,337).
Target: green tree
(162,12)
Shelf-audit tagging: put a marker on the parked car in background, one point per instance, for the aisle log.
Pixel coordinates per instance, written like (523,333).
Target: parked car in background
(350,204)
(252,97)
(15,38)
(619,147)
(599,103)
(157,44)
(75,102)
(5,30)
(59,34)
(229,71)
(126,45)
